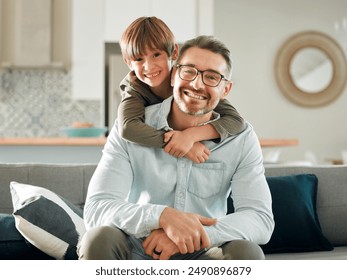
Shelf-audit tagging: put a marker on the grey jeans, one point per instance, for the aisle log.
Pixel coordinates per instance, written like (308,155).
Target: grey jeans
(108,243)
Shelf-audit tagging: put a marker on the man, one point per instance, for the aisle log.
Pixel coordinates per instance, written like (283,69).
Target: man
(145,204)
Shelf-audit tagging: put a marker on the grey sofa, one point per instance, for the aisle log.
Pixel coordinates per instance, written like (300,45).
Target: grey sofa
(71,182)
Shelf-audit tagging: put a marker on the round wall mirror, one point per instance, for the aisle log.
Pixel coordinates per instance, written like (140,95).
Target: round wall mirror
(311,69)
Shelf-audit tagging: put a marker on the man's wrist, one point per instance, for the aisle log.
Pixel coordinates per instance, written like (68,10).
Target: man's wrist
(161,221)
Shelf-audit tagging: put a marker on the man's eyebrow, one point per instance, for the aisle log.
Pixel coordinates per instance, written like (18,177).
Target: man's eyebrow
(194,65)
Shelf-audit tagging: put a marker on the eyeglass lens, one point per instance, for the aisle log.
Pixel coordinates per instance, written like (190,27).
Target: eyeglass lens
(209,78)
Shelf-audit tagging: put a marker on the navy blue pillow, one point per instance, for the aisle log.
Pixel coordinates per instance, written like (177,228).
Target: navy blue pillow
(13,246)
(297,227)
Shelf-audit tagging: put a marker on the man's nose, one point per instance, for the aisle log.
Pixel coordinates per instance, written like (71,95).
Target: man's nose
(197,83)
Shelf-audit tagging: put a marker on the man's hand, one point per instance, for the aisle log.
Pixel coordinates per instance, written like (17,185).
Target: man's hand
(186,229)
(160,242)
(178,143)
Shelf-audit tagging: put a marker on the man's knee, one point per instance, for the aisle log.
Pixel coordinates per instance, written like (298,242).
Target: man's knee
(242,250)
(103,243)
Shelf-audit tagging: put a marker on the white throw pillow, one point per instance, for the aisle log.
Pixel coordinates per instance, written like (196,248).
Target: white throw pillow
(51,223)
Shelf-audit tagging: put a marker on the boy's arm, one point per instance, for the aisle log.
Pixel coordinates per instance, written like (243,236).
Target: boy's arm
(131,117)
(230,122)
(180,143)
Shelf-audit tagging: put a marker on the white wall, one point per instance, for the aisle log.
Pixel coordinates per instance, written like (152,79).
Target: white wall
(254,30)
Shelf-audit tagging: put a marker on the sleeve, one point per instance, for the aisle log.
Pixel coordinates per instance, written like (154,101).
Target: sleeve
(109,187)
(253,217)
(131,114)
(230,122)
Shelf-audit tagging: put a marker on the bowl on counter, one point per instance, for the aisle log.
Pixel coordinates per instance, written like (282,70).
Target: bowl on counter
(84,131)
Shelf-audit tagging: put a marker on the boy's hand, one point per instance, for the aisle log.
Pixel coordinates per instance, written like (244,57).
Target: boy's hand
(178,143)
(199,153)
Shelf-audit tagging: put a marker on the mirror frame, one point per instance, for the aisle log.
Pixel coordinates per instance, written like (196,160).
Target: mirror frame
(333,51)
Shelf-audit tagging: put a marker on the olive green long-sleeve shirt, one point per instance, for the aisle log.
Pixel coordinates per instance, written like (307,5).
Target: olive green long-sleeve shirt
(136,95)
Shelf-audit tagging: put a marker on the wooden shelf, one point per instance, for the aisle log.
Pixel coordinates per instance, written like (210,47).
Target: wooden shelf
(278,142)
(59,141)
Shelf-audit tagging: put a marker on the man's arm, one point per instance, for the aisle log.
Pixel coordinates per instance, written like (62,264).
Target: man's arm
(108,189)
(253,218)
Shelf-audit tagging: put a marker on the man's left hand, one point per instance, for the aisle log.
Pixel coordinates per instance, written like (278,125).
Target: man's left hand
(159,242)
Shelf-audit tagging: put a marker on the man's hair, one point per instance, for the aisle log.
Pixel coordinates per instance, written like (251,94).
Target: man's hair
(212,44)
(146,32)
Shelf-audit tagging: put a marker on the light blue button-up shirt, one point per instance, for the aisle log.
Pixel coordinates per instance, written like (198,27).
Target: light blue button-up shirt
(133,184)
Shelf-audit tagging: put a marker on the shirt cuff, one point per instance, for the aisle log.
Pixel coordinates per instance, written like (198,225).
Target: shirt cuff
(213,236)
(153,216)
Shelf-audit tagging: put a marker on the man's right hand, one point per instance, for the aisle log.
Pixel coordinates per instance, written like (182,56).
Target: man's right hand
(186,229)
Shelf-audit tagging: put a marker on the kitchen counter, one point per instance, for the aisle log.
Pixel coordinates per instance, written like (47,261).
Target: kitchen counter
(74,150)
(51,150)
(100,141)
(59,141)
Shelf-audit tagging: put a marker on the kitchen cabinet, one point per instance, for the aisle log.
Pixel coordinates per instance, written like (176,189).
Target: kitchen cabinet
(194,19)
(35,34)
(88,50)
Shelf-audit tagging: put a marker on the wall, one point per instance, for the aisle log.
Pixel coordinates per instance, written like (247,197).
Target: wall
(37,103)
(254,30)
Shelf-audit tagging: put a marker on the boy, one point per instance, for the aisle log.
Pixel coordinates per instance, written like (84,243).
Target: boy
(149,49)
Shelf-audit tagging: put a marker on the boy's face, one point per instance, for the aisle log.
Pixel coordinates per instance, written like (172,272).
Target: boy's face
(194,97)
(153,68)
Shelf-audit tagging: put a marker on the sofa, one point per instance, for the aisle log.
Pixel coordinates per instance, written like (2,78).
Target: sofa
(309,203)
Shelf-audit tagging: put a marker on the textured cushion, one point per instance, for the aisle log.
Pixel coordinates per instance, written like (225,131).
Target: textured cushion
(13,245)
(46,220)
(297,227)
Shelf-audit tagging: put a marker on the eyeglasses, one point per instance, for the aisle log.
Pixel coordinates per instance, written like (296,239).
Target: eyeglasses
(209,78)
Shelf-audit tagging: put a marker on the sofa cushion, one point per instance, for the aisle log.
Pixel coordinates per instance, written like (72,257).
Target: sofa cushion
(13,245)
(297,228)
(46,220)
(331,197)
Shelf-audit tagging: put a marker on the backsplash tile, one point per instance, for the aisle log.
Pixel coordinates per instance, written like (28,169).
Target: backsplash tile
(38,103)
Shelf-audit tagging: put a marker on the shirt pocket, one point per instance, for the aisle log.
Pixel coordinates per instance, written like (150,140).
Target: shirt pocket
(206,179)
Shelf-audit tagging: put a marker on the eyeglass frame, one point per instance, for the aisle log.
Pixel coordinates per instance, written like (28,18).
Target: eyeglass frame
(222,77)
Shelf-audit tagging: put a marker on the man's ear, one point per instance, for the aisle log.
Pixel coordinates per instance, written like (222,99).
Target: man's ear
(228,86)
(173,74)
(175,52)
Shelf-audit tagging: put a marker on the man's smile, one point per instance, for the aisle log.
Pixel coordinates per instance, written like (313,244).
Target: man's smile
(194,95)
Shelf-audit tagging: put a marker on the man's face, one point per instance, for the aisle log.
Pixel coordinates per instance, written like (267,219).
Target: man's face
(194,97)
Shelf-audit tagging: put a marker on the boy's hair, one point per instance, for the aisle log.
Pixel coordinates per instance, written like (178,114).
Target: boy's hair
(212,44)
(146,32)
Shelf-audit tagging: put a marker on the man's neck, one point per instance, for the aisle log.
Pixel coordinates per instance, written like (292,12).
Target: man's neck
(179,120)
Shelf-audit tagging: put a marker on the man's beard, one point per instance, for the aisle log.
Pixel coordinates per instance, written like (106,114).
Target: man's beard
(185,108)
